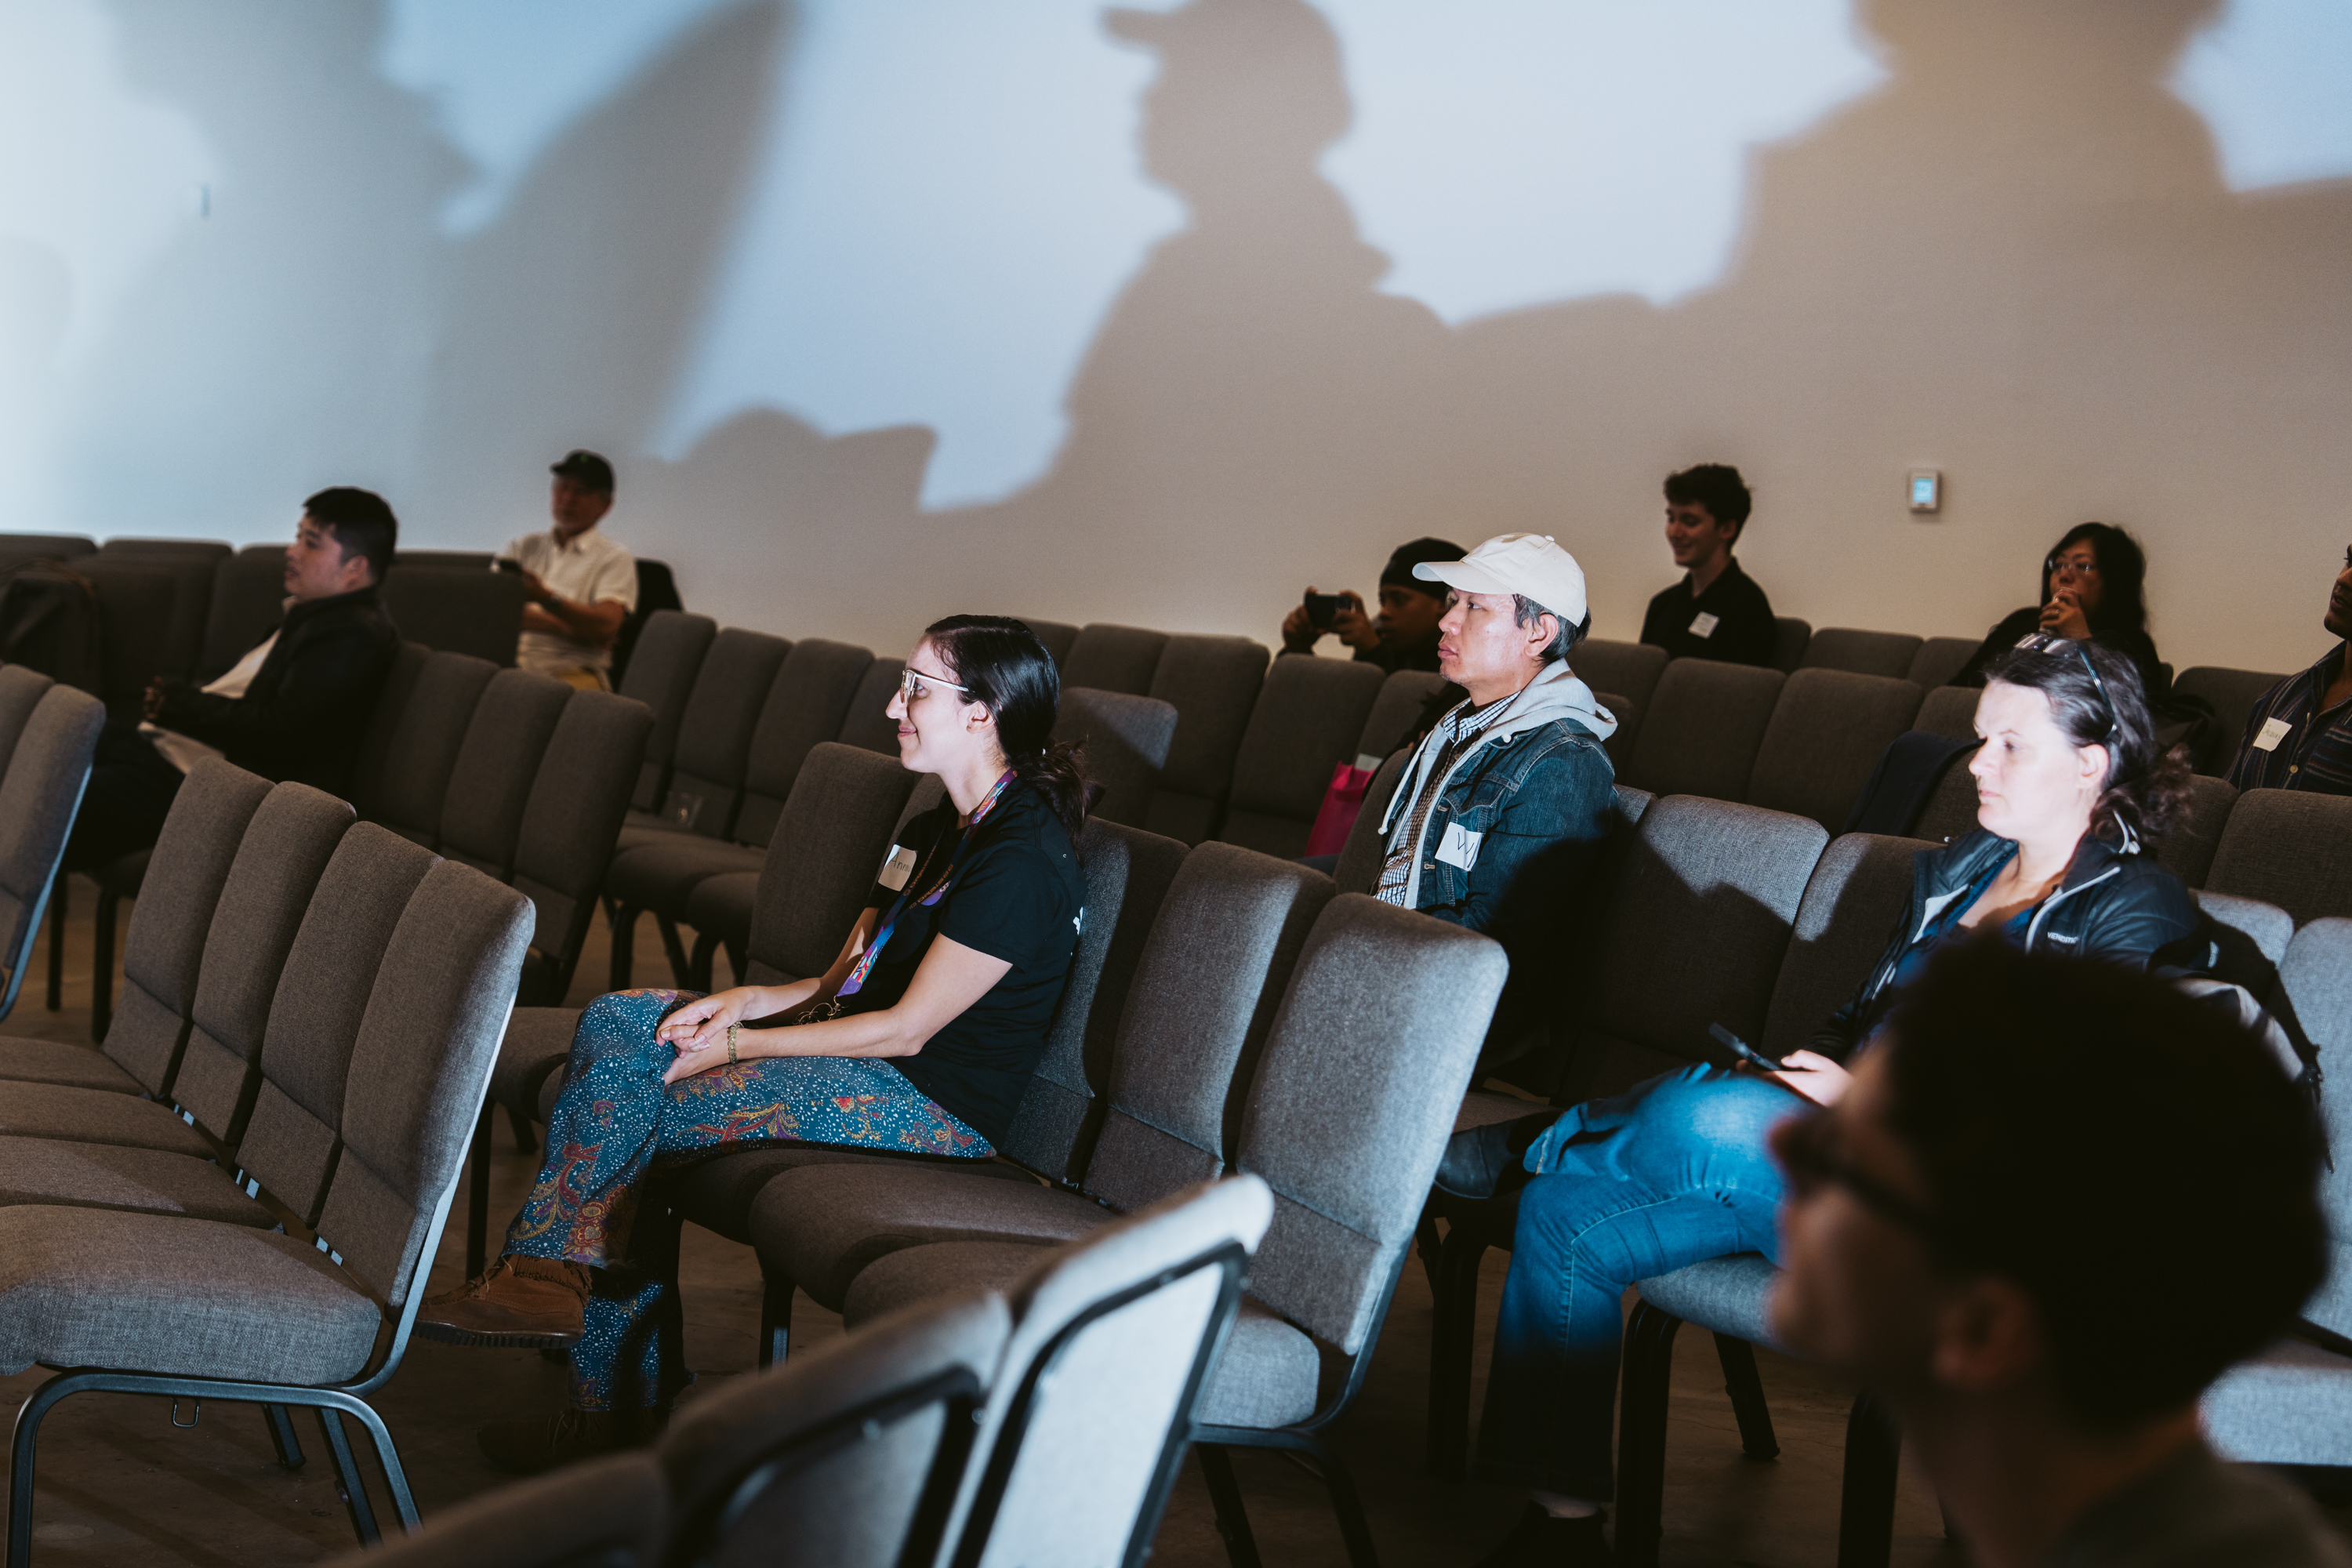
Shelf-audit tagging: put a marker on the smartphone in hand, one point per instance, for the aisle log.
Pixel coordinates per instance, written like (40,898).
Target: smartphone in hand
(1737,1050)
(1322,609)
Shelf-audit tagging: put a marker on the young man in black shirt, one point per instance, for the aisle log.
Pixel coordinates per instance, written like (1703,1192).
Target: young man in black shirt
(1717,611)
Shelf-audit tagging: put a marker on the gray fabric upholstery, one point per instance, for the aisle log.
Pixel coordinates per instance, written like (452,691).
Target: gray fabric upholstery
(2292,1404)
(868,725)
(662,875)
(2248,938)
(38,796)
(804,708)
(661,673)
(536,1042)
(1853,901)
(718,1193)
(419,1067)
(1126,739)
(714,738)
(1114,658)
(1938,659)
(109,1176)
(1727,880)
(1789,640)
(20,692)
(248,598)
(400,683)
(1727,1295)
(2312,1000)
(611,1513)
(1206,994)
(170,639)
(472,612)
(1310,715)
(830,842)
(1888,654)
(1354,1100)
(1620,744)
(1630,668)
(95,1116)
(1949,711)
(185,1296)
(1361,857)
(2288,848)
(1404,697)
(425,745)
(1701,728)
(482,813)
(573,811)
(2231,692)
(73,1067)
(1059,637)
(290,1140)
(1952,812)
(2186,847)
(1211,682)
(1828,730)
(286,849)
(723,906)
(1127,874)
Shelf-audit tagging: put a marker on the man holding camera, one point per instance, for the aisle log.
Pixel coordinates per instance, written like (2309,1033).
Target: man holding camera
(578,584)
(1404,636)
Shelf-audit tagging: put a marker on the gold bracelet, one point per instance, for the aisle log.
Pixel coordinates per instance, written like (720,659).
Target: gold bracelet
(730,1043)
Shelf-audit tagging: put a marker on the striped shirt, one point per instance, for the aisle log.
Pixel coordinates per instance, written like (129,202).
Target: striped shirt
(1461,726)
(2309,749)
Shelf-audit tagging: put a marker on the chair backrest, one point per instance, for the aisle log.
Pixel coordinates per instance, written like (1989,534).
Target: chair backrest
(573,815)
(467,611)
(1361,857)
(1701,728)
(248,597)
(1702,876)
(1853,902)
(804,708)
(2248,938)
(2312,1000)
(1827,733)
(1949,711)
(400,682)
(39,795)
(1630,668)
(662,668)
(1620,744)
(21,688)
(15,547)
(2288,848)
(611,1513)
(1059,637)
(295,1133)
(2232,693)
(1114,658)
(190,566)
(1864,653)
(1353,1102)
(201,549)
(1212,683)
(868,726)
(287,845)
(1404,696)
(1126,739)
(829,844)
(1938,659)
(497,766)
(2187,846)
(163,950)
(447,559)
(714,740)
(1128,873)
(1308,718)
(1790,638)
(413,782)
(1205,993)
(139,615)
(419,1070)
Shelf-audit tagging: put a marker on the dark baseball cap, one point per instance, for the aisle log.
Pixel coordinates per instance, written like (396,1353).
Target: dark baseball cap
(585,468)
(1399,570)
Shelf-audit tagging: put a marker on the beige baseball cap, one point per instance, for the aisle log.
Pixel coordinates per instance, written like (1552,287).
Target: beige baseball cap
(1529,565)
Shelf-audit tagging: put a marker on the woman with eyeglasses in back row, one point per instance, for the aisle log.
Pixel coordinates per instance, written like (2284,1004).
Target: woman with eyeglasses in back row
(919,1039)
(2070,789)
(2093,585)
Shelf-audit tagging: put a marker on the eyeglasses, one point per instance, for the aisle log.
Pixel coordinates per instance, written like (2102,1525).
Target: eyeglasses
(913,683)
(2071,565)
(1803,1144)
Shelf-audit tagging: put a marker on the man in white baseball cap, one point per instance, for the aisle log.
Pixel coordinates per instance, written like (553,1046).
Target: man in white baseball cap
(1502,804)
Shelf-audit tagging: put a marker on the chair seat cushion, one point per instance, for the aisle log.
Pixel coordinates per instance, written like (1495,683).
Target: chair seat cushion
(2292,1404)
(721,905)
(643,828)
(1265,1377)
(108,1176)
(1725,1295)
(659,877)
(537,1042)
(95,1116)
(819,1228)
(716,1194)
(86,1288)
(71,1066)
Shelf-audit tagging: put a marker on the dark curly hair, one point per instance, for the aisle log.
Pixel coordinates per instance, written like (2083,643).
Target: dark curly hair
(1009,672)
(2123,575)
(2097,699)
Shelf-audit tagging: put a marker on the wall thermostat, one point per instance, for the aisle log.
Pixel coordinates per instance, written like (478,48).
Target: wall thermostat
(1926,490)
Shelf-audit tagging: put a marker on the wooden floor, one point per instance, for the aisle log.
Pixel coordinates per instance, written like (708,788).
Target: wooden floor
(120,1483)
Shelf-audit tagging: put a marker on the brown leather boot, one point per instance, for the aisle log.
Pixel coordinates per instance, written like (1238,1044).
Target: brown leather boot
(521,1302)
(532,1446)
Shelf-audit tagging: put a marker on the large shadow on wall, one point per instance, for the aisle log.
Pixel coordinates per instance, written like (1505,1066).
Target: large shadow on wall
(570,316)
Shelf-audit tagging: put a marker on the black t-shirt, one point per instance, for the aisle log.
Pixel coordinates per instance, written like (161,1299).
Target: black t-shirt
(1742,632)
(1016,895)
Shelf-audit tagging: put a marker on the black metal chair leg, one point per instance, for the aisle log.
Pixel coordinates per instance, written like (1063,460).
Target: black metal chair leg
(1354,1529)
(281,1437)
(622,918)
(1453,1343)
(1225,1495)
(1647,1381)
(736,962)
(101,963)
(775,1320)
(699,965)
(478,1193)
(1746,1390)
(347,1474)
(526,1138)
(681,968)
(22,1449)
(1874,1453)
(57,940)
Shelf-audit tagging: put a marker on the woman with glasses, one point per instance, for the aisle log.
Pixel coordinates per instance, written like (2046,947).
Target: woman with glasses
(919,1039)
(2091,589)
(2070,789)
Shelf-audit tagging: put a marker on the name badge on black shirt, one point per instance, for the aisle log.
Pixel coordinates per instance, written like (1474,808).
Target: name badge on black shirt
(897,868)
(1704,623)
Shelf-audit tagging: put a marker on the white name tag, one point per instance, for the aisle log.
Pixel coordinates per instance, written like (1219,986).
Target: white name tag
(1459,848)
(897,868)
(2273,732)
(1704,624)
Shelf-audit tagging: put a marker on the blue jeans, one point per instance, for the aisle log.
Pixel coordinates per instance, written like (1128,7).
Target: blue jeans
(1668,1174)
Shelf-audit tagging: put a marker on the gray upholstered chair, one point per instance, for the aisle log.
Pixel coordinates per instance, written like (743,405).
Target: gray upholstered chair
(1950,711)
(466,610)
(1212,683)
(40,794)
(490,780)
(1790,637)
(1404,696)
(2232,693)
(1630,668)
(1828,730)
(714,740)
(868,725)
(613,1512)
(21,689)
(1114,658)
(1885,654)
(431,731)
(2188,847)
(248,598)
(400,682)
(2288,848)
(185,1308)
(1059,637)
(1310,716)
(1126,739)
(661,675)
(1701,727)
(1938,659)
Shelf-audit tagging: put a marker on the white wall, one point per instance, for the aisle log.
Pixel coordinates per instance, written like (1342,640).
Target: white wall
(1079,320)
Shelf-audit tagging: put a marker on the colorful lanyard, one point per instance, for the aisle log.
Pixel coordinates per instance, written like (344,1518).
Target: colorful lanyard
(850,986)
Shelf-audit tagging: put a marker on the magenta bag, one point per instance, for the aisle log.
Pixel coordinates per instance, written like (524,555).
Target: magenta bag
(1343,802)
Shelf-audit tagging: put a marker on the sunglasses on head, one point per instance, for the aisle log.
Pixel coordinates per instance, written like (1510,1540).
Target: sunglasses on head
(2044,642)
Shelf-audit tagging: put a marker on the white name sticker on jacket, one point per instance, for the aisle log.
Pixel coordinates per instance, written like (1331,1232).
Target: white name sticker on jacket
(897,868)
(2273,732)
(1457,848)
(1704,624)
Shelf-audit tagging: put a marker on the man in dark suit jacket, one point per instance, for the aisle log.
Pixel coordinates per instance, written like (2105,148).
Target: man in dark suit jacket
(295,707)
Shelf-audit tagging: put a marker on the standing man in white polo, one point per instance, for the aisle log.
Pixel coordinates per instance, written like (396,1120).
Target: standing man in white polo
(1503,804)
(578,584)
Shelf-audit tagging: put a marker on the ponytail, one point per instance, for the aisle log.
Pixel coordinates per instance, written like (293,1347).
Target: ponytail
(1058,772)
